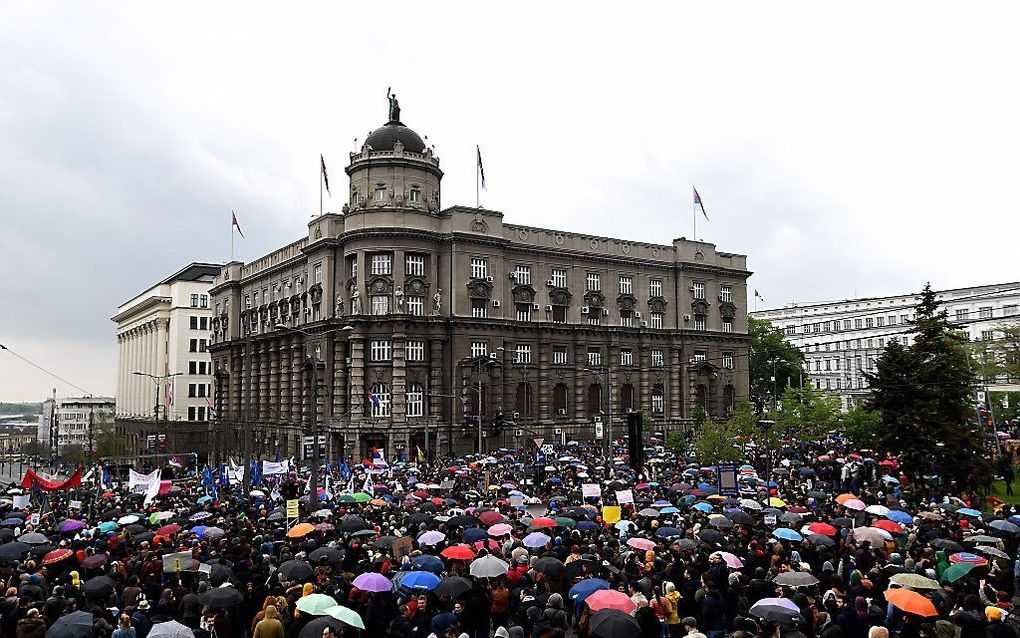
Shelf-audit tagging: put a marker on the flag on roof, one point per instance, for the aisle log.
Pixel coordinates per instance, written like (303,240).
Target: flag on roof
(697,203)
(233,222)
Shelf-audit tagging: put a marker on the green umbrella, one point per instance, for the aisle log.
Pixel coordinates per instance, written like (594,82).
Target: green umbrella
(316,604)
(346,615)
(563,521)
(956,572)
(365,532)
(818,494)
(346,498)
(361,497)
(949,507)
(108,526)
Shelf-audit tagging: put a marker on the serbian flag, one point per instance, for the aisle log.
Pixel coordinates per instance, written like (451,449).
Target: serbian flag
(697,203)
(233,222)
(759,296)
(378,459)
(325,177)
(481,169)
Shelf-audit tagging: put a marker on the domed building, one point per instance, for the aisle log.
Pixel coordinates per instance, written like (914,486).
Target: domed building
(432,330)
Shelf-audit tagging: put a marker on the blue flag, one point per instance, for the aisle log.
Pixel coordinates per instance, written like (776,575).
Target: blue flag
(107,479)
(345,470)
(256,472)
(209,482)
(222,470)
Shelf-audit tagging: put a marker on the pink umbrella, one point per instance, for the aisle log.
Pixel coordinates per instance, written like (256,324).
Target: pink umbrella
(854,504)
(500,529)
(486,544)
(731,560)
(431,537)
(610,599)
(371,581)
(641,543)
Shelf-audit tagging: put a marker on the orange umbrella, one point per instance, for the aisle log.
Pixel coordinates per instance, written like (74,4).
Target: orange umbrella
(911,602)
(458,552)
(843,498)
(299,530)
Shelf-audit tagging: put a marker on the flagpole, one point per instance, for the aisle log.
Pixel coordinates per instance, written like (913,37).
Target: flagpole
(231,235)
(320,186)
(478,196)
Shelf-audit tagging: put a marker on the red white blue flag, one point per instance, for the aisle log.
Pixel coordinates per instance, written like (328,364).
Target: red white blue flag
(698,205)
(235,224)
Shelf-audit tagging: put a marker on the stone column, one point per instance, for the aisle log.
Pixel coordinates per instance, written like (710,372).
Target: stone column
(284,379)
(582,380)
(297,408)
(674,408)
(273,347)
(544,382)
(398,385)
(358,391)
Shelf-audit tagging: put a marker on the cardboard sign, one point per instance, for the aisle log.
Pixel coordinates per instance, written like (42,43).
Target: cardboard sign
(625,496)
(179,562)
(33,519)
(591,490)
(516,501)
(770,520)
(21,501)
(611,513)
(75,505)
(293,508)
(402,547)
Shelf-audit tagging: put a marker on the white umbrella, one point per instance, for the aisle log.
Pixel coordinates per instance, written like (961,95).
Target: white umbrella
(488,566)
(877,510)
(170,629)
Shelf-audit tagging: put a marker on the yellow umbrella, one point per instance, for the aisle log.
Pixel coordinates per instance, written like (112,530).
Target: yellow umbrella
(776,502)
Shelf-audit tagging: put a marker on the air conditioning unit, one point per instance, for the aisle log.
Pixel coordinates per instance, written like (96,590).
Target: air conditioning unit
(687,317)
(605,312)
(644,324)
(495,303)
(548,308)
(512,274)
(517,415)
(489,279)
(308,311)
(518,432)
(584,310)
(558,431)
(562,412)
(536,306)
(492,355)
(637,314)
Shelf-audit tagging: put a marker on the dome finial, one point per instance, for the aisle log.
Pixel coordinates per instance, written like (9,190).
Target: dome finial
(394,105)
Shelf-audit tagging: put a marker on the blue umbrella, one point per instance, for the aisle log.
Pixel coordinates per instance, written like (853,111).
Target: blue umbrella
(554,480)
(579,592)
(418,580)
(204,499)
(705,486)
(442,622)
(12,522)
(587,526)
(787,534)
(703,507)
(199,530)
(966,511)
(427,563)
(669,510)
(899,516)
(474,534)
(666,532)
(891,480)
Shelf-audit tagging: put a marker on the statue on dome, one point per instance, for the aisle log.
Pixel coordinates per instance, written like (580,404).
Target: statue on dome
(394,105)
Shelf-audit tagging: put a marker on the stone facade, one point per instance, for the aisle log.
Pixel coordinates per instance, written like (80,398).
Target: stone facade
(418,316)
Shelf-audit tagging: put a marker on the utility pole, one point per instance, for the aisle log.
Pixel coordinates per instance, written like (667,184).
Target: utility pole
(92,416)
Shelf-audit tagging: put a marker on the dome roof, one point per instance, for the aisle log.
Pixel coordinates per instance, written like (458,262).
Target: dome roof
(384,137)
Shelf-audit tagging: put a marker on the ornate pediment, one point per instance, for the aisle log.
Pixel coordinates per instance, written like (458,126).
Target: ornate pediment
(416,286)
(560,296)
(594,299)
(657,304)
(524,293)
(479,289)
(728,309)
(315,292)
(626,302)
(380,285)
(699,307)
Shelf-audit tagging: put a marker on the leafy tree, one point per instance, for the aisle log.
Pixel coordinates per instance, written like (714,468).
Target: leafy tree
(716,443)
(860,424)
(677,443)
(808,413)
(72,453)
(771,355)
(108,443)
(1007,350)
(924,396)
(744,420)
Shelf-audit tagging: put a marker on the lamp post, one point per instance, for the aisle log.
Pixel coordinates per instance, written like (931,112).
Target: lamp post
(766,426)
(156,380)
(608,433)
(313,391)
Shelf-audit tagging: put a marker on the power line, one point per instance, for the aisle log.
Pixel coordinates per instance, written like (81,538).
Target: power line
(39,367)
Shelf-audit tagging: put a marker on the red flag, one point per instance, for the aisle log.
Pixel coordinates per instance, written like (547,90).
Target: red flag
(33,480)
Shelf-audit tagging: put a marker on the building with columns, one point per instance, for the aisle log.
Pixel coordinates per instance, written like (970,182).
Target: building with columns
(430,328)
(164,373)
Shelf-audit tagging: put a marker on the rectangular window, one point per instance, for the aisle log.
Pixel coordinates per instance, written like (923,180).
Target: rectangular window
(194,322)
(353,261)
(698,290)
(559,314)
(727,360)
(522,354)
(626,285)
(1010,310)
(655,319)
(194,301)
(828,365)
(891,320)
(203,301)
(479,308)
(626,318)
(987,335)
(192,367)
(415,266)
(700,356)
(592,282)
(594,356)
(846,324)
(658,402)
(382,264)
(192,412)
(879,322)
(985,312)
(699,322)
(654,287)
(380,193)
(523,311)
(656,355)
(202,345)
(479,348)
(379,350)
(276,292)
(203,323)
(415,305)
(626,357)
(479,268)
(962,315)
(247,300)
(595,317)
(414,350)
(380,304)
(192,390)
(869,322)
(317,273)
(193,345)
(559,277)
(522,275)
(791,330)
(415,395)
(858,324)
(726,294)
(559,355)
(727,325)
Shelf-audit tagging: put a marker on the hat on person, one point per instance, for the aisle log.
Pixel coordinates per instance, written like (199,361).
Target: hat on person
(501,632)
(993,613)
(143,604)
(689,621)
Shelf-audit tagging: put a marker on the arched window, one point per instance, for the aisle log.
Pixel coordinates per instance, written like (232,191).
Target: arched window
(380,399)
(626,397)
(415,400)
(658,399)
(560,399)
(594,399)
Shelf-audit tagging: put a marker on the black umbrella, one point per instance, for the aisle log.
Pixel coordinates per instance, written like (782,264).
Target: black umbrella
(711,536)
(550,566)
(74,625)
(775,613)
(688,543)
(464,520)
(842,521)
(222,597)
(740,517)
(314,628)
(453,586)
(14,550)
(144,536)
(613,623)
(418,518)
(351,524)
(135,528)
(220,574)
(34,538)
(940,543)
(6,534)
(384,542)
(330,554)
(428,507)
(98,587)
(296,570)
(818,539)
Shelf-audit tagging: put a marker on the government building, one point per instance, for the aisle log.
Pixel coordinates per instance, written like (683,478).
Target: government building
(441,330)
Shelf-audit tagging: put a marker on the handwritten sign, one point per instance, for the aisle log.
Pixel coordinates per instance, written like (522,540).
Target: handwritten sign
(402,547)
(625,496)
(21,501)
(591,490)
(75,505)
(293,508)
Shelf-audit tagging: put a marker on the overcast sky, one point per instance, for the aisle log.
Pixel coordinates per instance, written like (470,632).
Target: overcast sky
(846,149)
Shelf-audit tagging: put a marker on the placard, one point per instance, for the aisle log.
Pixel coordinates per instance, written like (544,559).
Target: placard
(625,496)
(770,520)
(611,514)
(516,501)
(402,547)
(591,490)
(21,501)
(33,519)
(75,505)
(293,508)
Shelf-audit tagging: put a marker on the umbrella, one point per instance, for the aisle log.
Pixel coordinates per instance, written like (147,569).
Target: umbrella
(613,623)
(98,587)
(314,628)
(300,530)
(167,530)
(992,551)
(776,609)
(585,588)
(818,539)
(464,520)
(711,536)
(946,544)
(900,517)
(956,572)
(911,602)
(345,615)
(543,522)
(536,539)
(315,604)
(222,597)
(549,566)
(128,519)
(56,556)
(170,629)
(740,517)
(641,543)
(33,538)
(877,510)
(501,529)
(95,560)
(372,581)
(488,566)
(427,563)
(890,526)
(199,516)
(822,528)
(13,550)
(351,524)
(966,511)
(70,525)
(431,537)
(74,625)
(458,552)
(731,560)
(610,599)
(984,539)
(854,504)
(453,586)
(419,580)
(914,581)
(474,534)
(667,532)
(1005,526)
(795,579)
(787,534)
(296,570)
(967,557)
(871,534)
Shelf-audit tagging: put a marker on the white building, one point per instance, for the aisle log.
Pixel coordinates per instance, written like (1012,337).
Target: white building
(162,335)
(77,416)
(843,339)
(45,430)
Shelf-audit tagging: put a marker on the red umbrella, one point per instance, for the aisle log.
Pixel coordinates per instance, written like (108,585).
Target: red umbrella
(889,526)
(610,599)
(822,528)
(167,530)
(490,518)
(543,521)
(459,552)
(911,602)
(56,556)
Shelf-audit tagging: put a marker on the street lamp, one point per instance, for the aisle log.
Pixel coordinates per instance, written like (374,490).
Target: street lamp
(766,426)
(157,379)
(313,482)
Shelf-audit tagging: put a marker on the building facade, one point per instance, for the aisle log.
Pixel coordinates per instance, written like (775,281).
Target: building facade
(842,340)
(76,420)
(448,329)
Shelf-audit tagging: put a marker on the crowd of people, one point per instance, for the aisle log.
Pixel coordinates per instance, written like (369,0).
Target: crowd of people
(814,540)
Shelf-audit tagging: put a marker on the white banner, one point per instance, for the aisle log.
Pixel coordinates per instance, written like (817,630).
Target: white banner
(625,496)
(137,479)
(235,474)
(272,467)
(21,501)
(152,491)
(591,490)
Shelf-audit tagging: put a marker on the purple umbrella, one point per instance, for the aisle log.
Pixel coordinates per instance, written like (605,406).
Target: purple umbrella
(431,537)
(371,581)
(70,525)
(536,539)
(198,516)
(95,560)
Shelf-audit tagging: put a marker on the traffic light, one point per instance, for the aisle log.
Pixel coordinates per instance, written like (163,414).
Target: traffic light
(497,424)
